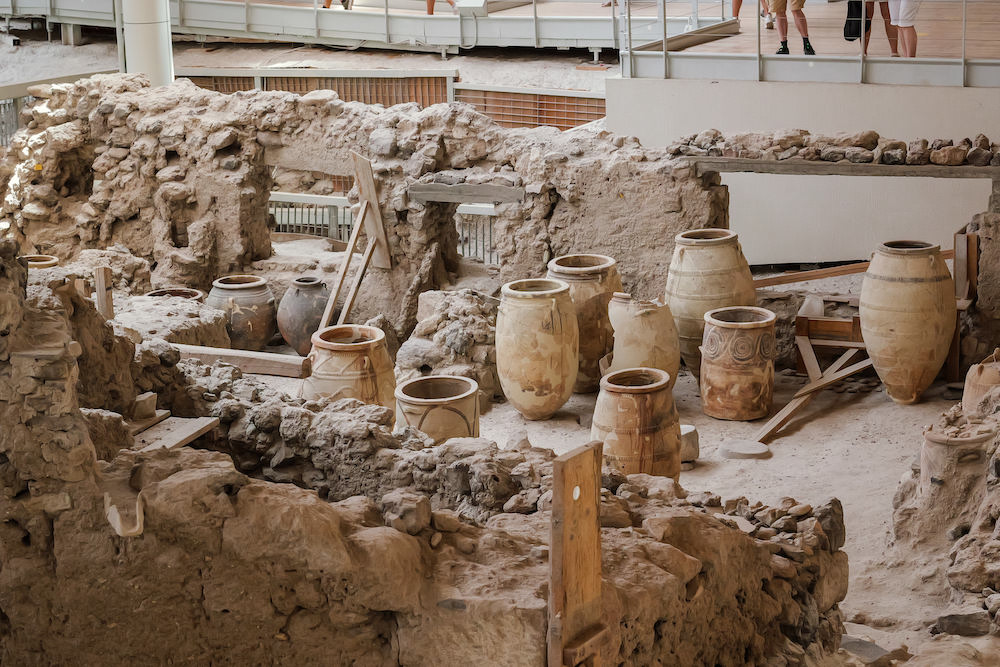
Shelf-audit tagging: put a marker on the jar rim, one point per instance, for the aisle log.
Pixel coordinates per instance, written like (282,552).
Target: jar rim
(706,236)
(639,380)
(535,288)
(358,337)
(581,264)
(734,317)
(239,281)
(908,247)
(405,391)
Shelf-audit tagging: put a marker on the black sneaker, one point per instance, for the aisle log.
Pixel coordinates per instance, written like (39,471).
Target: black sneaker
(808,48)
(782,50)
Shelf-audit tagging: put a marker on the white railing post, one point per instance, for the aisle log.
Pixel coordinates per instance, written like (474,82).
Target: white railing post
(965,21)
(666,59)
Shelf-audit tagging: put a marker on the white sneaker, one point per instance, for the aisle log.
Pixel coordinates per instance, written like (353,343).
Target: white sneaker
(770,22)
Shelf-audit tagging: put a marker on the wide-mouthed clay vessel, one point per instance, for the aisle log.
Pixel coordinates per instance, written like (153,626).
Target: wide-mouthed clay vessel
(300,311)
(40,261)
(907,314)
(178,291)
(636,419)
(979,380)
(249,303)
(537,346)
(351,361)
(592,280)
(442,406)
(645,335)
(707,271)
(737,363)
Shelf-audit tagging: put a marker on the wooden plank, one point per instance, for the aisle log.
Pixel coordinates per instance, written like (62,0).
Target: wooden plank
(364,179)
(819,274)
(801,167)
(356,285)
(465,193)
(102,292)
(352,243)
(828,328)
(575,556)
(808,357)
(826,381)
(819,342)
(336,245)
(781,418)
(139,425)
(174,432)
(261,363)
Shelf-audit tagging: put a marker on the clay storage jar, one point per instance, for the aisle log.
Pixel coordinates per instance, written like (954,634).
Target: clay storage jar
(953,468)
(707,271)
(592,280)
(636,419)
(645,335)
(351,361)
(907,316)
(40,261)
(182,292)
(979,380)
(442,406)
(300,311)
(537,342)
(248,302)
(737,363)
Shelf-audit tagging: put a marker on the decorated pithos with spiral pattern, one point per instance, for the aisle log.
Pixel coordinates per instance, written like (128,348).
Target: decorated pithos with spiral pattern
(737,362)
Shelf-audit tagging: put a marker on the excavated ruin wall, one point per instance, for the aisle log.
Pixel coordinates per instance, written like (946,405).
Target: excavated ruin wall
(441,558)
(181,176)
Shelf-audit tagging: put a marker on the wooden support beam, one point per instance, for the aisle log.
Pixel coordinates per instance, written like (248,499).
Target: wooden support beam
(464,193)
(826,380)
(102,292)
(174,432)
(820,274)
(781,418)
(261,363)
(338,286)
(820,342)
(356,285)
(137,426)
(364,179)
(801,167)
(575,631)
(808,357)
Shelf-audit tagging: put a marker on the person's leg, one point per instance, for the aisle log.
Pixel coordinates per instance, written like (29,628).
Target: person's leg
(782,21)
(737,5)
(908,41)
(907,16)
(891,33)
(800,22)
(869,11)
(430,7)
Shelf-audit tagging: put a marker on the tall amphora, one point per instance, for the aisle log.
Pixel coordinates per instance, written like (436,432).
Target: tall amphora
(907,316)
(707,271)
(592,280)
(537,346)
(645,335)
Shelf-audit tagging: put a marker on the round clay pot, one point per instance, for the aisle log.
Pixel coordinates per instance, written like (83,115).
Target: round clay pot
(979,380)
(953,468)
(737,363)
(645,335)
(442,406)
(707,271)
(40,261)
(300,311)
(182,292)
(537,346)
(636,419)
(351,361)
(592,279)
(250,305)
(907,313)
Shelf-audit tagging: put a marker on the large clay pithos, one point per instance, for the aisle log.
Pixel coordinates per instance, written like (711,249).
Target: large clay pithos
(249,304)
(537,342)
(907,314)
(707,271)
(442,406)
(180,292)
(351,361)
(979,380)
(300,311)
(953,467)
(645,335)
(737,363)
(592,280)
(636,419)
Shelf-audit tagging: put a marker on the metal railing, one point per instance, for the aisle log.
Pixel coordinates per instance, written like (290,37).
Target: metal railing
(475,232)
(958,45)
(10,119)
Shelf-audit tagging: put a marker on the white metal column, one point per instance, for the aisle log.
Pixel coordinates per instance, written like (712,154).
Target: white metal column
(148,49)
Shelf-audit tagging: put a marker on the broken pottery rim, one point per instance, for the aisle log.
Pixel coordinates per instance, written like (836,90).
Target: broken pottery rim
(239,281)
(471,388)
(767,317)
(547,288)
(940,439)
(308,281)
(40,261)
(370,336)
(706,236)
(908,247)
(658,379)
(179,292)
(602,264)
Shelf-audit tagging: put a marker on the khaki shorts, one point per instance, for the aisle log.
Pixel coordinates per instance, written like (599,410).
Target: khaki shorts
(778,6)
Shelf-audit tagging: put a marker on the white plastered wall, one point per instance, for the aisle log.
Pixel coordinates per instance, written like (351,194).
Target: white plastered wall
(817,218)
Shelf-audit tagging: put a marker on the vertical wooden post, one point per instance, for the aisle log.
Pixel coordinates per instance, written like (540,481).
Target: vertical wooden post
(102,292)
(575,632)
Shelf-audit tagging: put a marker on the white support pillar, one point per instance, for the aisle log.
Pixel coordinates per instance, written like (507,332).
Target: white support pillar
(72,34)
(148,49)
